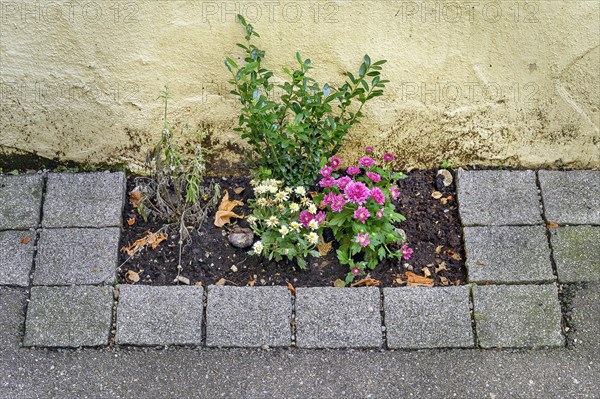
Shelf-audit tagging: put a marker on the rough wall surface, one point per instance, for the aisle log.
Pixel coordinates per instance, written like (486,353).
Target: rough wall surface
(509,83)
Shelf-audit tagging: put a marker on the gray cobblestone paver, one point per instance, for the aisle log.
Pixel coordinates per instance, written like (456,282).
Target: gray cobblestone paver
(571,197)
(328,317)
(12,303)
(16,257)
(508,254)
(84,199)
(498,198)
(248,316)
(517,316)
(149,315)
(20,201)
(77,256)
(576,252)
(418,317)
(69,316)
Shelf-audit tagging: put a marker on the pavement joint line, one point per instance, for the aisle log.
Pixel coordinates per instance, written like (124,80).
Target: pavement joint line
(293,329)
(384,345)
(204,315)
(473,321)
(546,228)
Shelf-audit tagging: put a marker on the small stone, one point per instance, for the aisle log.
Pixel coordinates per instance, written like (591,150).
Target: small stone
(241,237)
(234,268)
(402,234)
(265,347)
(370,309)
(183,280)
(443,179)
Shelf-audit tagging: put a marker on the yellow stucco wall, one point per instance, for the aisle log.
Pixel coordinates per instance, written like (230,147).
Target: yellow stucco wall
(484,82)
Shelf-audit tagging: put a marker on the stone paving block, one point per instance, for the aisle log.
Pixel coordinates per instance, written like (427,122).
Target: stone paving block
(16,259)
(69,316)
(248,316)
(571,197)
(420,317)
(84,199)
(517,316)
(498,197)
(149,315)
(576,252)
(508,254)
(12,303)
(20,201)
(328,317)
(77,256)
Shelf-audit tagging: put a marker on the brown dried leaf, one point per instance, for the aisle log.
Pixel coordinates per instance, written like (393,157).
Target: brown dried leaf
(399,281)
(291,288)
(251,283)
(436,195)
(25,240)
(238,190)
(414,280)
(224,213)
(426,272)
(135,196)
(324,247)
(366,282)
(339,283)
(152,239)
(444,281)
(440,267)
(552,224)
(453,254)
(132,277)
(439,249)
(443,201)
(198,284)
(221,282)
(130,221)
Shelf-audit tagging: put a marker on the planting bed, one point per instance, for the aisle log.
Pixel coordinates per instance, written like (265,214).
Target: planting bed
(433,230)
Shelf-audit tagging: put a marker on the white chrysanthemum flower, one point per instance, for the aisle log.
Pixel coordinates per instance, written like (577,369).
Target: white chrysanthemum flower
(251,219)
(285,251)
(313,224)
(312,208)
(281,208)
(254,182)
(282,196)
(295,226)
(273,182)
(260,190)
(288,190)
(258,247)
(272,221)
(294,207)
(284,230)
(262,202)
(300,191)
(272,189)
(305,201)
(312,237)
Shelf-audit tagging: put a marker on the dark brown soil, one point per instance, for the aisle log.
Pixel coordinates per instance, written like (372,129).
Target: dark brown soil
(433,230)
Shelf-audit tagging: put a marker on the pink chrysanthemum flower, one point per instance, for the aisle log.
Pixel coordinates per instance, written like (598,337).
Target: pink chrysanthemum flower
(394,193)
(320,217)
(335,162)
(380,213)
(305,218)
(378,195)
(387,157)
(366,162)
(369,149)
(326,171)
(327,182)
(406,252)
(328,199)
(353,170)
(361,214)
(338,203)
(362,239)
(374,176)
(342,182)
(355,271)
(357,192)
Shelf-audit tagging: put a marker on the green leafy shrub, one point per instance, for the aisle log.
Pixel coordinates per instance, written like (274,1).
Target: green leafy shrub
(291,137)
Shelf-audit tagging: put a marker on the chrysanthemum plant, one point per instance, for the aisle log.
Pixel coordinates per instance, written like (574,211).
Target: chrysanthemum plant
(361,212)
(287,221)
(291,137)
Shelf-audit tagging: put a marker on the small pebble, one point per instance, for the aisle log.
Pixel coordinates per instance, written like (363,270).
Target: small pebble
(234,268)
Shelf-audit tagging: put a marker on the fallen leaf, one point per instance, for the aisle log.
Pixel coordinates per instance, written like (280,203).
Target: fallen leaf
(198,283)
(251,283)
(25,240)
(457,282)
(444,281)
(135,196)
(339,283)
(238,190)
(436,195)
(443,201)
(438,249)
(291,288)
(552,224)
(221,282)
(399,281)
(449,198)
(130,221)
(453,254)
(426,272)
(440,267)
(324,247)
(312,194)
(225,213)
(132,276)
(152,239)
(366,282)
(414,280)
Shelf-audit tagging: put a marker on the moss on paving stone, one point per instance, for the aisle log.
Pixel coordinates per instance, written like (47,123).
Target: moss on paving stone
(576,252)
